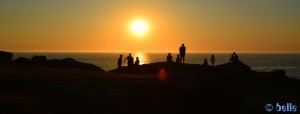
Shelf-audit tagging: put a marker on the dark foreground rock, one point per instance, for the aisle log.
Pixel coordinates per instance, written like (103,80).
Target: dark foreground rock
(229,69)
(231,66)
(43,90)
(159,88)
(5,56)
(38,60)
(22,61)
(67,63)
(155,68)
(71,63)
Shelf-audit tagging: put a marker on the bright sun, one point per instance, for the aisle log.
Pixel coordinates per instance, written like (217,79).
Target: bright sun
(139,27)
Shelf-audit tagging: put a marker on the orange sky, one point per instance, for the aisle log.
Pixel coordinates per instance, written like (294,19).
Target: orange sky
(205,26)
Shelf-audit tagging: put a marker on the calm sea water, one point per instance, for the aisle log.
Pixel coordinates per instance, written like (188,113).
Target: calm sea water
(258,62)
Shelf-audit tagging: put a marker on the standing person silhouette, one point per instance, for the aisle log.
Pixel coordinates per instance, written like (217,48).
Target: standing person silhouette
(182,50)
(212,60)
(129,59)
(120,61)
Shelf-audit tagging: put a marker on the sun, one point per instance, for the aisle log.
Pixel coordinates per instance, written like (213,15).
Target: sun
(139,27)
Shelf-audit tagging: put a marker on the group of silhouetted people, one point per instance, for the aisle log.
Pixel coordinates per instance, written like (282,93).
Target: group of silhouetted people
(234,58)
(212,60)
(180,58)
(129,59)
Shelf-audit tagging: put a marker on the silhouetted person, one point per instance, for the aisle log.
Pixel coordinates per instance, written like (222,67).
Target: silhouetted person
(232,58)
(236,57)
(129,59)
(182,50)
(137,61)
(169,58)
(136,69)
(178,59)
(212,60)
(120,61)
(205,63)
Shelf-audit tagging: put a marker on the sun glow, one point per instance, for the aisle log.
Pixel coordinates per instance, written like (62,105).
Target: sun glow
(139,27)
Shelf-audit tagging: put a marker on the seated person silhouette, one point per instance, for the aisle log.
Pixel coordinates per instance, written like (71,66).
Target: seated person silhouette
(232,59)
(178,59)
(137,61)
(205,63)
(120,61)
(169,58)
(129,59)
(236,57)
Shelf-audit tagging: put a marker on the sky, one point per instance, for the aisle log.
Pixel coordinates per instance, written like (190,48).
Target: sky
(271,26)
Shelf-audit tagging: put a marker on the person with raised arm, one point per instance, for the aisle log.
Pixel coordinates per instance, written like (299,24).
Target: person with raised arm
(129,59)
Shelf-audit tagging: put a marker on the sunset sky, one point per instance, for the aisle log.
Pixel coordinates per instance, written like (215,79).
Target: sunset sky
(106,25)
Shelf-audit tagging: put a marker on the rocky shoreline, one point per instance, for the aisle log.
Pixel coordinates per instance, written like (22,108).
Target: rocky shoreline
(69,86)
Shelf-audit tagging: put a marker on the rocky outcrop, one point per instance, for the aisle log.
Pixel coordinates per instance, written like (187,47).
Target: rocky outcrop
(22,61)
(67,63)
(237,69)
(5,56)
(175,67)
(154,68)
(275,74)
(38,60)
(232,66)
(71,63)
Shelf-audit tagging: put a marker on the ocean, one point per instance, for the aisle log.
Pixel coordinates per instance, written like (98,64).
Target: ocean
(258,62)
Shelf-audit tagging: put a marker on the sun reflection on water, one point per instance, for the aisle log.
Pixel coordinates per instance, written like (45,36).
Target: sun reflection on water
(142,57)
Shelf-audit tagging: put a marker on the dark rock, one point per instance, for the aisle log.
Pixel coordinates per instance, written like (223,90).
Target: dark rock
(227,67)
(72,64)
(155,68)
(38,60)
(67,63)
(69,60)
(5,56)
(22,61)
(277,74)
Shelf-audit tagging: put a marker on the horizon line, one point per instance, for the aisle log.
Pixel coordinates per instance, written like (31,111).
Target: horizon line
(249,52)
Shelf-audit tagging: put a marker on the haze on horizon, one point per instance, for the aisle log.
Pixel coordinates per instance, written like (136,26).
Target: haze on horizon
(104,25)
